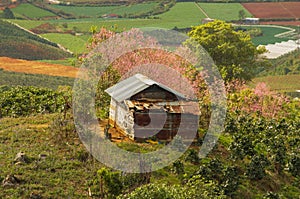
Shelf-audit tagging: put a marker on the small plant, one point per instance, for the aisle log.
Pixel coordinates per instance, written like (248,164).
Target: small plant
(178,167)
(230,180)
(110,183)
(294,165)
(63,128)
(192,156)
(271,195)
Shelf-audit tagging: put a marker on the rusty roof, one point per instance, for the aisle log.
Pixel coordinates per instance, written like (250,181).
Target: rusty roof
(185,107)
(133,85)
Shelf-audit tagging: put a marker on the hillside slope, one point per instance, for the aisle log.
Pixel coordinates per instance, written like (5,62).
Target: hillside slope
(18,43)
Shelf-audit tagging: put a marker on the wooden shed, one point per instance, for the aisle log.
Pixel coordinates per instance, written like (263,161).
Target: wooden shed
(141,108)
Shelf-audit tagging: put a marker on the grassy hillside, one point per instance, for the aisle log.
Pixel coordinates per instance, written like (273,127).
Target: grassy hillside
(60,175)
(57,164)
(18,43)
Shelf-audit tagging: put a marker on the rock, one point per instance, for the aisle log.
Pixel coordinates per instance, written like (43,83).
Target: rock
(10,180)
(42,156)
(21,157)
(34,195)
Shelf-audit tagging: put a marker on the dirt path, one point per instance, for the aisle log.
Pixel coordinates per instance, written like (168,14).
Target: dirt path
(202,10)
(116,136)
(35,67)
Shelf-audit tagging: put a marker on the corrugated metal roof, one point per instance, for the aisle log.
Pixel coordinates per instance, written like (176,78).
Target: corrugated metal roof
(133,85)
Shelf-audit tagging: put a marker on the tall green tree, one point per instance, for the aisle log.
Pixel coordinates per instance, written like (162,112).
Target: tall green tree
(232,51)
(8,14)
(242,14)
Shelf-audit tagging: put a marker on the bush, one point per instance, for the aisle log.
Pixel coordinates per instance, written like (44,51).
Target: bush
(196,187)
(110,183)
(63,130)
(8,14)
(178,167)
(192,156)
(256,168)
(294,165)
(24,101)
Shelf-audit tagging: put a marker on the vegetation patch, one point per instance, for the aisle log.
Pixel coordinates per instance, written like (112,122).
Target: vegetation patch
(24,79)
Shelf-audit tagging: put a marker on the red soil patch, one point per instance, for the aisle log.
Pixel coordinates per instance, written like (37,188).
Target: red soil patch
(271,10)
(34,67)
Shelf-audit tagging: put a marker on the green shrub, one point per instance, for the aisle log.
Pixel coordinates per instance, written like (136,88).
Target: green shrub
(23,101)
(256,169)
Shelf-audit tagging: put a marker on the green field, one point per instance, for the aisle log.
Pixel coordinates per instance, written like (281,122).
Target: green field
(106,2)
(223,11)
(268,35)
(76,44)
(182,15)
(28,24)
(30,11)
(97,11)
